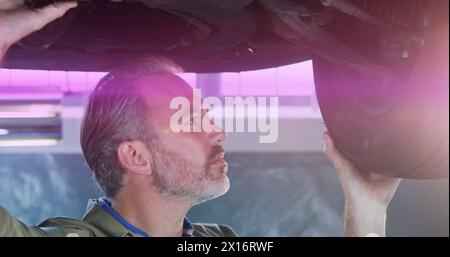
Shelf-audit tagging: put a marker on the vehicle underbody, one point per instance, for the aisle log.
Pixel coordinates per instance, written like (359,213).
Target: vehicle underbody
(228,35)
(381,66)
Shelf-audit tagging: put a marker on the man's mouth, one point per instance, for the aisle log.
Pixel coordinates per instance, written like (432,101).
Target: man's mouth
(218,157)
(218,160)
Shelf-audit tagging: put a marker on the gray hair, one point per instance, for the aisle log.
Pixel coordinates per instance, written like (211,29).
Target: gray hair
(115,113)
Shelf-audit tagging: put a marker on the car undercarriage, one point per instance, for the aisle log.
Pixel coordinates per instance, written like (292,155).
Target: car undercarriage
(381,67)
(228,35)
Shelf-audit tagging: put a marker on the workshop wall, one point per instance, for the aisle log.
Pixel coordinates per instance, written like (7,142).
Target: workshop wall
(271,194)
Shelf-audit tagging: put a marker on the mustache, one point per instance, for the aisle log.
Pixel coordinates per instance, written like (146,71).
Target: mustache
(217,149)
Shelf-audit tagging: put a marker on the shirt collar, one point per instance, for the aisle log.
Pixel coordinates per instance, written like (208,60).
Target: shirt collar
(103,222)
(188,228)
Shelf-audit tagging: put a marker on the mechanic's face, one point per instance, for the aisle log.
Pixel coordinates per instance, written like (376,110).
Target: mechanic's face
(186,165)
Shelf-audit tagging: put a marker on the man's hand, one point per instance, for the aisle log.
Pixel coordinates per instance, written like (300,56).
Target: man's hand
(367,195)
(18,21)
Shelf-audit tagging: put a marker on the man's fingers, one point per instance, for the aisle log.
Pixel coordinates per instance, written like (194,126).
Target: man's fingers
(21,22)
(334,155)
(51,12)
(329,148)
(6,5)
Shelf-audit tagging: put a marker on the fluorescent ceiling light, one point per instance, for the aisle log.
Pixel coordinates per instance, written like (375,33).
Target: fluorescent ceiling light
(4,132)
(25,115)
(31,96)
(28,142)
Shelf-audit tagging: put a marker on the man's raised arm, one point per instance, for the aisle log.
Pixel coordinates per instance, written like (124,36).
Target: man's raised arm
(367,195)
(17,21)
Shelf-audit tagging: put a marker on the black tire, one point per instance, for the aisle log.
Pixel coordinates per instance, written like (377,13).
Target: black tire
(401,130)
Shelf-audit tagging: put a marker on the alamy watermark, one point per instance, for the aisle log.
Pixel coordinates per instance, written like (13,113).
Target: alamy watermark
(230,114)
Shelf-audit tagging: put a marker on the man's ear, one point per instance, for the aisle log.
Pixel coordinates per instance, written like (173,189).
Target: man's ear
(134,156)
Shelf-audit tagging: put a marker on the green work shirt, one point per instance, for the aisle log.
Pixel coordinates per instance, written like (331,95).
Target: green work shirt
(97,222)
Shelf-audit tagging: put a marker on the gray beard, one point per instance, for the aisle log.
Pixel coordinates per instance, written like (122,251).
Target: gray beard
(180,179)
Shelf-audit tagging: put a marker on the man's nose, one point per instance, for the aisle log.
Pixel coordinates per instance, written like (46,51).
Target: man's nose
(218,136)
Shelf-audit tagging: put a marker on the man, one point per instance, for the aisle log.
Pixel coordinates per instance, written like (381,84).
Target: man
(152,176)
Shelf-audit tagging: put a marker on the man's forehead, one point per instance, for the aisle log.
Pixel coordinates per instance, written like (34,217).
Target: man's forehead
(163,88)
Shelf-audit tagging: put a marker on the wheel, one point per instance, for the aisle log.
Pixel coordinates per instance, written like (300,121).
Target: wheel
(398,128)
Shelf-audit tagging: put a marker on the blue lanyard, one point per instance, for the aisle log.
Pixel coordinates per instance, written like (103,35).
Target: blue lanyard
(187,226)
(105,205)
